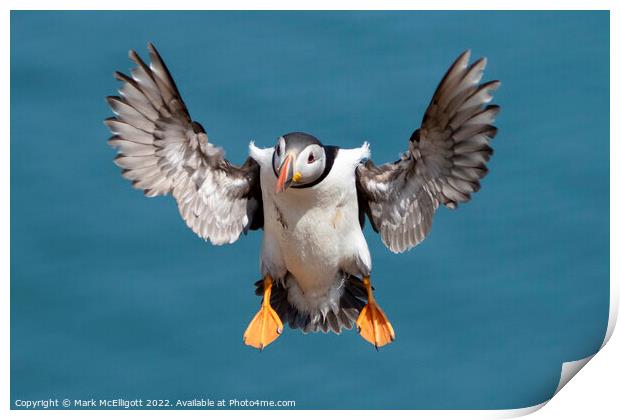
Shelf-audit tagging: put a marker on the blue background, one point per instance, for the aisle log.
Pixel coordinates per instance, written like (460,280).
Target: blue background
(112,296)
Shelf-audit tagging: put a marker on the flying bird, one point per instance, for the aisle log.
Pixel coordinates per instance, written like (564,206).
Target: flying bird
(310,199)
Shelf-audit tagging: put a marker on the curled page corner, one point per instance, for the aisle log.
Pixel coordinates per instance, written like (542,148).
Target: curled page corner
(519,412)
(569,370)
(613,315)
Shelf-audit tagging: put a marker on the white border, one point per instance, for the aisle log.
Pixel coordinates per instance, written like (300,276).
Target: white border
(593,387)
(313,5)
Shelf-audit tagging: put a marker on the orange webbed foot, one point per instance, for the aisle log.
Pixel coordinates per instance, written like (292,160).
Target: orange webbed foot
(266,325)
(372,324)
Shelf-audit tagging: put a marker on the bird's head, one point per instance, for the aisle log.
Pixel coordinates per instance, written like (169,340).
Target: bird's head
(299,159)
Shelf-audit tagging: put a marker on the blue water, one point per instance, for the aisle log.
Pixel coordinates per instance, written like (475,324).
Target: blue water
(113,297)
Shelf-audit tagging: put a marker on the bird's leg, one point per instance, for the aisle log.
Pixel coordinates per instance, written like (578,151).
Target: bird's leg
(372,324)
(266,325)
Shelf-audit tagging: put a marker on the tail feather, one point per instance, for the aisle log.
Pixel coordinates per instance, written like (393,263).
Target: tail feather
(352,301)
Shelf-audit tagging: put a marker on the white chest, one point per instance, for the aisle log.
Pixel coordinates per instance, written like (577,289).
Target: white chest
(312,238)
(316,230)
(313,233)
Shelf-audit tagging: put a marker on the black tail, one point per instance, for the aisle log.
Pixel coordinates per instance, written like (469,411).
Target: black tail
(352,301)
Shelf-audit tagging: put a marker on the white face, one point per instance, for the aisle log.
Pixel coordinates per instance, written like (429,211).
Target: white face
(303,167)
(310,164)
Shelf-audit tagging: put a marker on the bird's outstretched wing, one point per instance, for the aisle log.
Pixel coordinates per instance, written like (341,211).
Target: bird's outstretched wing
(163,151)
(444,163)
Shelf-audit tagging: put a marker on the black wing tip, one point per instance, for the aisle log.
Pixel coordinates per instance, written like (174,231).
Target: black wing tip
(492,85)
(152,50)
(496,108)
(112,139)
(133,55)
(118,157)
(198,128)
(153,53)
(478,61)
(466,53)
(121,77)
(113,98)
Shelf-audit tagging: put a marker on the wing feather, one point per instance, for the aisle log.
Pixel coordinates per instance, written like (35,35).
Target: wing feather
(444,163)
(162,151)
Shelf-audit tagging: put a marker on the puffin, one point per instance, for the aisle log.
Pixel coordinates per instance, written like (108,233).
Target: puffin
(311,200)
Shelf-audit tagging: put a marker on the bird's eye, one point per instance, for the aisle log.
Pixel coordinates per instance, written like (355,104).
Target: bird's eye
(311,158)
(278,149)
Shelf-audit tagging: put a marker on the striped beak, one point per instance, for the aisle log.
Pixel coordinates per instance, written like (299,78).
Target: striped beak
(286,174)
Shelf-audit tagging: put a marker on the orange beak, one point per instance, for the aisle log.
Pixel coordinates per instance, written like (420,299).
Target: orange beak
(286,174)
